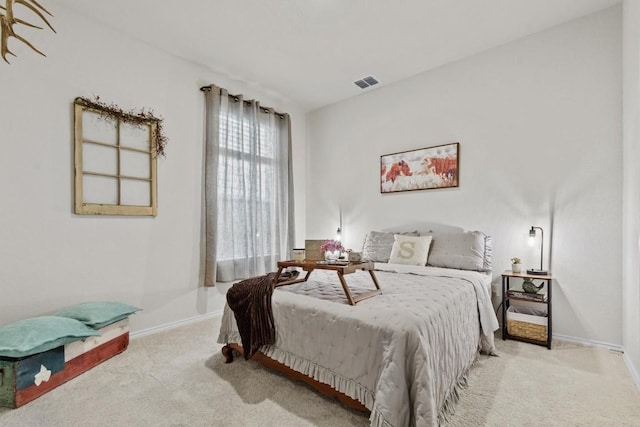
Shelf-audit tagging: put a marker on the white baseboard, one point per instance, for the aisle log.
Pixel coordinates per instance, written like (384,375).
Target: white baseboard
(590,343)
(175,324)
(587,342)
(632,371)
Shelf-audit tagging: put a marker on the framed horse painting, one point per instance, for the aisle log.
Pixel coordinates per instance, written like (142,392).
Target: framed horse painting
(422,169)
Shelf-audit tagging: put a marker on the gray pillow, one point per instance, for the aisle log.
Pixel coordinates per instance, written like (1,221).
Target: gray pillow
(377,245)
(464,251)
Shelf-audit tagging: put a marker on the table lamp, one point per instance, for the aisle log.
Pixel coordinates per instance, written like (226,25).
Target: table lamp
(532,240)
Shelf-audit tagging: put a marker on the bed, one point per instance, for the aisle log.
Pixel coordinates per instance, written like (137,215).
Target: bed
(402,355)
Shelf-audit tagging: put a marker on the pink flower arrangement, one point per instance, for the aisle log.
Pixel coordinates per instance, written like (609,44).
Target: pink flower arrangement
(331,246)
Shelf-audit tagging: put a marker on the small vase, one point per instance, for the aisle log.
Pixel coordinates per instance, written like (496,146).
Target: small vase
(331,256)
(516,268)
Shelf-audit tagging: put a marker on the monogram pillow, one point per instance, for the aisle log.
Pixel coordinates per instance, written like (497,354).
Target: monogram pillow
(410,250)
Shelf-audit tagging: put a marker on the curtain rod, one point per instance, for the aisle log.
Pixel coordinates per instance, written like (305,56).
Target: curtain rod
(236,98)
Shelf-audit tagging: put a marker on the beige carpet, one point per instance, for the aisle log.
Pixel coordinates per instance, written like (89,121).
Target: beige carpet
(178,378)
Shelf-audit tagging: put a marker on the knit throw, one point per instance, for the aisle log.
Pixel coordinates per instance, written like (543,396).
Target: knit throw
(250,301)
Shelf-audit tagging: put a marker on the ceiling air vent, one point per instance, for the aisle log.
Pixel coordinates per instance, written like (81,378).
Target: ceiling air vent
(365,82)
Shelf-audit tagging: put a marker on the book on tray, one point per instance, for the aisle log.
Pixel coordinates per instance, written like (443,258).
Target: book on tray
(527,296)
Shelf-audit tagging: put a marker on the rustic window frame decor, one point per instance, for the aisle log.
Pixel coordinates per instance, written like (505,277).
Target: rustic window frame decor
(423,169)
(119,119)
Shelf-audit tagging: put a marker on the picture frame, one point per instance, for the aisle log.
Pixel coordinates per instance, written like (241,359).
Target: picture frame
(422,169)
(312,251)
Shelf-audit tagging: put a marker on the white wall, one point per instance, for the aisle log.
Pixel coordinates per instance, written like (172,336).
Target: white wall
(51,258)
(539,126)
(631,206)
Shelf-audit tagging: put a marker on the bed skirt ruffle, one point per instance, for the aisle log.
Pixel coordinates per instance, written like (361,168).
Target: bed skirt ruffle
(349,387)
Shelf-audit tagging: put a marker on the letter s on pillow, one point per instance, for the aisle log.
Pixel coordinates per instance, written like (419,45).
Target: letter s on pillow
(410,250)
(407,250)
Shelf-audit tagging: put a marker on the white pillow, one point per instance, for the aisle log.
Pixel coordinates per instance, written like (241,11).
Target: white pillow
(410,250)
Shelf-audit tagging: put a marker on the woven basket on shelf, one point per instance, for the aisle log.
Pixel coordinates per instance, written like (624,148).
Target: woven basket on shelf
(526,326)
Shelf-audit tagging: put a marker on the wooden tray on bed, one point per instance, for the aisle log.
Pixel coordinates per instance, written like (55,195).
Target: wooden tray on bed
(341,269)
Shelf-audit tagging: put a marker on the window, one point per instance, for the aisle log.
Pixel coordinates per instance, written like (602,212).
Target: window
(115,166)
(248,188)
(246,167)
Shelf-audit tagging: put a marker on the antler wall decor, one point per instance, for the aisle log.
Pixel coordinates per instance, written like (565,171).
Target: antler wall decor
(8,20)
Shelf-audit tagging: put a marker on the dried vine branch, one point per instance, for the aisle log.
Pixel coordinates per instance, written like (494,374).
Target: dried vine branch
(141,118)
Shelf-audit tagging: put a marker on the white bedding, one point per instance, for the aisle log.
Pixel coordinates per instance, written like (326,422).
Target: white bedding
(402,354)
(488,319)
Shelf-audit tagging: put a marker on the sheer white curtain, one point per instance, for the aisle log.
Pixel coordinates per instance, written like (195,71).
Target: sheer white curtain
(248,188)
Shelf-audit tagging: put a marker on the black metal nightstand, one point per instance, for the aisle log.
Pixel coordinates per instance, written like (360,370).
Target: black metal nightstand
(544,298)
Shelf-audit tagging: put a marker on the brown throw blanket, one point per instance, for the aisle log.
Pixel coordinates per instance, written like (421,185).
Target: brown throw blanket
(250,301)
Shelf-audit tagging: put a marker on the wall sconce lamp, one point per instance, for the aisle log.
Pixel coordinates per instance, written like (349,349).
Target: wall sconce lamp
(532,241)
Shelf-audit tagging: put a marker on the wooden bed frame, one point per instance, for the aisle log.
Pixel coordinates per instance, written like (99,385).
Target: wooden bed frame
(327,390)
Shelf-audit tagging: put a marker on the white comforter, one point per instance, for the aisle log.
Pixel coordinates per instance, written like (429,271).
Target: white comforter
(402,354)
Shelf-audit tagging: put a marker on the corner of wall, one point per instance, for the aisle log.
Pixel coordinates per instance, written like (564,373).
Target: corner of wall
(632,370)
